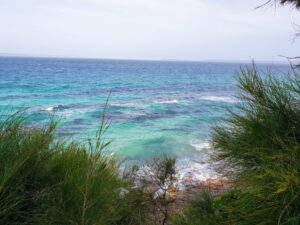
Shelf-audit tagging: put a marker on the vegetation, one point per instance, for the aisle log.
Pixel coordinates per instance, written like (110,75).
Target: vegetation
(153,185)
(44,181)
(47,182)
(294,2)
(262,143)
(201,211)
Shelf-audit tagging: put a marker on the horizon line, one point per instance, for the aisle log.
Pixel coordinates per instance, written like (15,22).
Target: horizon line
(10,55)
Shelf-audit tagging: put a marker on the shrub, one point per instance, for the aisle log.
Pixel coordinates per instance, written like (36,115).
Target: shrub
(43,181)
(200,211)
(260,141)
(151,196)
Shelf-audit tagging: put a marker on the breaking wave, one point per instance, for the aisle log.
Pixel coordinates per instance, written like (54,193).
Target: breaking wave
(219,98)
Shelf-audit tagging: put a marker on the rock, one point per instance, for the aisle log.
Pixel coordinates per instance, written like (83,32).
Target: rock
(122,192)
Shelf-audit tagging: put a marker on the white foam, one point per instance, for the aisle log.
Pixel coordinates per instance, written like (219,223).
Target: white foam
(192,173)
(128,104)
(66,112)
(124,104)
(200,145)
(135,114)
(70,112)
(204,150)
(166,101)
(46,108)
(189,173)
(218,98)
(49,109)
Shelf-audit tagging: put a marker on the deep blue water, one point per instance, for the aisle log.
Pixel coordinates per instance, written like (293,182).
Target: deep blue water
(155,107)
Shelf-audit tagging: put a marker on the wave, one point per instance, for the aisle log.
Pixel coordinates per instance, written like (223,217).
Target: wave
(200,146)
(203,149)
(122,104)
(49,109)
(219,98)
(189,173)
(166,101)
(192,170)
(135,114)
(66,110)
(127,104)
(54,108)
(192,173)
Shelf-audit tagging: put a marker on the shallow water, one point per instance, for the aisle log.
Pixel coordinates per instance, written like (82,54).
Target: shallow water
(155,107)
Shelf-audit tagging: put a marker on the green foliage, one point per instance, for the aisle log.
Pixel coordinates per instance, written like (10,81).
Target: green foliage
(23,156)
(43,181)
(163,180)
(201,211)
(164,169)
(261,143)
(151,196)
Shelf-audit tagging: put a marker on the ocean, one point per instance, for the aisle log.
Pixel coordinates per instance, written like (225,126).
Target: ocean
(155,107)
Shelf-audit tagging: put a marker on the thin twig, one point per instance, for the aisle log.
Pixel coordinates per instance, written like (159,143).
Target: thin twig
(285,208)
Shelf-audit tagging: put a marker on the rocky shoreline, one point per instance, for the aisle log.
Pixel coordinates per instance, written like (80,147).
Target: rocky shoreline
(183,197)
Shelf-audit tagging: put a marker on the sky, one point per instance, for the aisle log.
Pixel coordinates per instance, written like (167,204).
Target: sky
(148,29)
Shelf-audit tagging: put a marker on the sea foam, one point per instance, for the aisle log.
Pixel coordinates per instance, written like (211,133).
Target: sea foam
(129,104)
(49,109)
(218,98)
(199,146)
(172,101)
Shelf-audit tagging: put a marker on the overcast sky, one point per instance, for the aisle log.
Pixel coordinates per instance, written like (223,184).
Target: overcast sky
(148,29)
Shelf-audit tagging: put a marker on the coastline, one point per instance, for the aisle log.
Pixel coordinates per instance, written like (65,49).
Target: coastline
(183,197)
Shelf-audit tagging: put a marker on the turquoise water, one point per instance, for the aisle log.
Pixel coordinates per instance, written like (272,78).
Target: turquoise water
(155,107)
